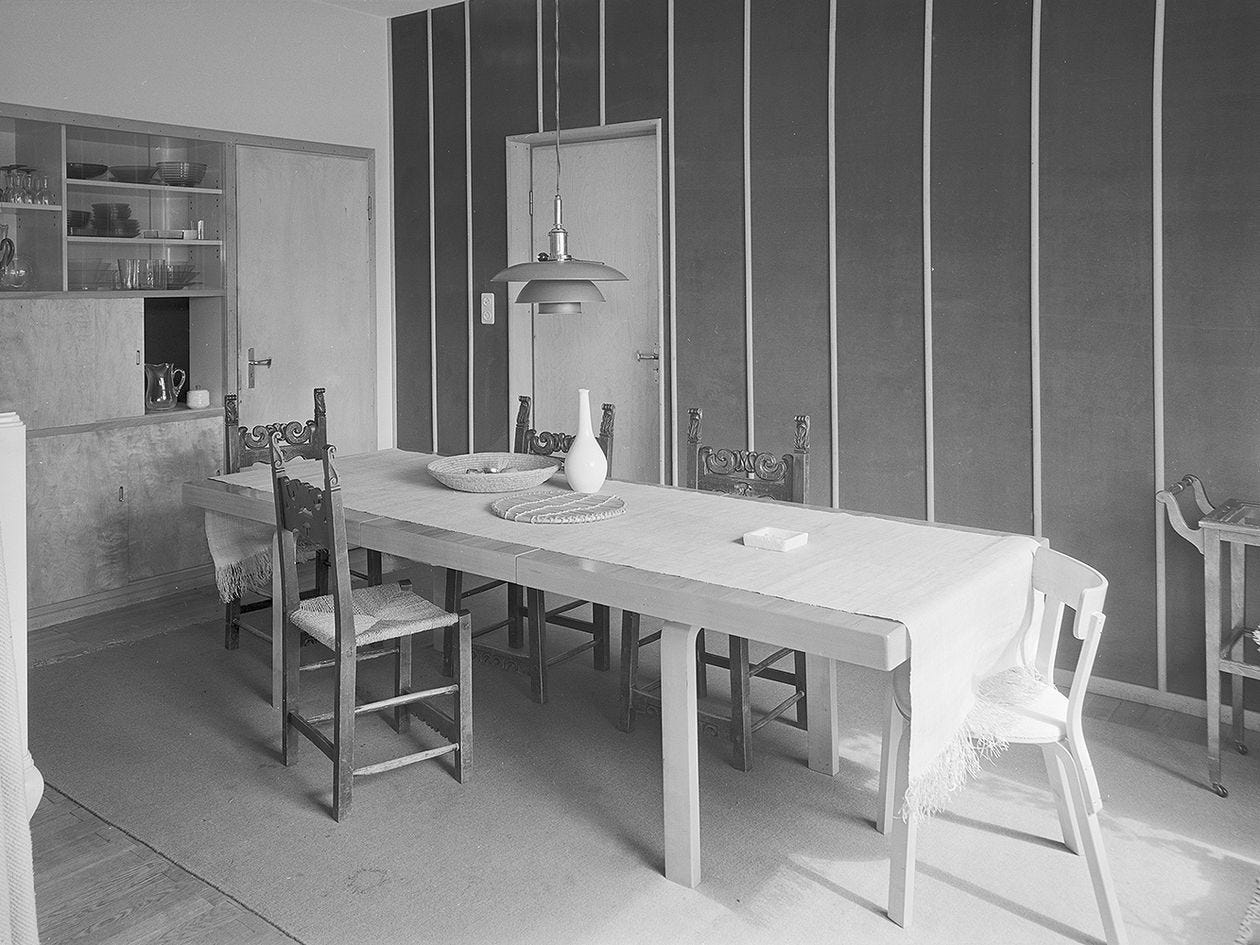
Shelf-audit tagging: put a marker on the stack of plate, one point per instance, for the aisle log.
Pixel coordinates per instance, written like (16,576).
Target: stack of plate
(181,173)
(114,219)
(77,218)
(132,173)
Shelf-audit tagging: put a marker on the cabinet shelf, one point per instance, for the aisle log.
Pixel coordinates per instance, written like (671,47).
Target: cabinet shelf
(139,240)
(174,415)
(54,208)
(163,189)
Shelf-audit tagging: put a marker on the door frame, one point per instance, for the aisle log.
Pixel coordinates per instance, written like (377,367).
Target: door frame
(520,328)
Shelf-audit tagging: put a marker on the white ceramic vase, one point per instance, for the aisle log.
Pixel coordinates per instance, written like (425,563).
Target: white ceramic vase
(585,465)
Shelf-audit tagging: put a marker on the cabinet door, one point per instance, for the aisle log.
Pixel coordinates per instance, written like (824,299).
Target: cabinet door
(304,290)
(76,517)
(71,361)
(162,534)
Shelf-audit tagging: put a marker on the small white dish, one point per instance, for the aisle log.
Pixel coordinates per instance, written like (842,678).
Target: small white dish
(775,539)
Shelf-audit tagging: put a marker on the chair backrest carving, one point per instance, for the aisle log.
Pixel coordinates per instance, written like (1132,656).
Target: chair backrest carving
(544,443)
(314,516)
(749,472)
(244,446)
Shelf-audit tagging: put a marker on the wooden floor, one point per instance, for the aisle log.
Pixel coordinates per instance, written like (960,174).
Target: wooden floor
(95,885)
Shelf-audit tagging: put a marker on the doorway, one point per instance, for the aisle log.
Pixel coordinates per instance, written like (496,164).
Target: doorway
(610,181)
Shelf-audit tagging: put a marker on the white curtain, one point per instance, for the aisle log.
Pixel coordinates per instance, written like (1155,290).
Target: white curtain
(17,882)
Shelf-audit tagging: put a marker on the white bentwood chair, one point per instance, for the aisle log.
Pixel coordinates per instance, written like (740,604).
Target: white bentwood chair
(1051,720)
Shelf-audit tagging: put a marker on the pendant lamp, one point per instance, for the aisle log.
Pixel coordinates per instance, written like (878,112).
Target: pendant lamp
(558,283)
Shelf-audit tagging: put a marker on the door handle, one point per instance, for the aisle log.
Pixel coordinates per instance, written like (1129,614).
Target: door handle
(254,362)
(646,356)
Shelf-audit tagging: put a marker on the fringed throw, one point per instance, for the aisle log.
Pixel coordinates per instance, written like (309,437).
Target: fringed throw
(980,739)
(242,554)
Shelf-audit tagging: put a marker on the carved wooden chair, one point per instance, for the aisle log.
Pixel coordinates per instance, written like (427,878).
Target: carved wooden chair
(244,447)
(1050,720)
(344,621)
(537,660)
(753,475)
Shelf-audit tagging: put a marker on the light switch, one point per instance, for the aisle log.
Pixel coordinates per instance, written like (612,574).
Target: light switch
(487,308)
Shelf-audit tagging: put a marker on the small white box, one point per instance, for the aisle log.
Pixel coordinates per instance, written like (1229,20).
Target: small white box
(775,539)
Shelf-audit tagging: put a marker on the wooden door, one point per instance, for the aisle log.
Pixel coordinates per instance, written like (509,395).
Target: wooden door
(612,213)
(305,290)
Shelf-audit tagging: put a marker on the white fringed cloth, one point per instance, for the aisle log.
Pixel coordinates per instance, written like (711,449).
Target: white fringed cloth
(241,552)
(965,598)
(17,884)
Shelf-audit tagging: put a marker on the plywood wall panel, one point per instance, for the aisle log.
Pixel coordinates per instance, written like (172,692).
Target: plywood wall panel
(790,279)
(412,277)
(879,259)
(1211,282)
(982,396)
(1096,314)
(709,213)
(450,211)
(504,102)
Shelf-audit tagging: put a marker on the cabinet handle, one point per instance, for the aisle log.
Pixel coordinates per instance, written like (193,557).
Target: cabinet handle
(120,494)
(137,356)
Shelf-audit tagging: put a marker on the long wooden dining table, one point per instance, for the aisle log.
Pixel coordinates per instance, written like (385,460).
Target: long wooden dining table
(394,506)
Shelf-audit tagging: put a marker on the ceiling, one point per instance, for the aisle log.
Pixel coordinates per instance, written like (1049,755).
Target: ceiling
(386,8)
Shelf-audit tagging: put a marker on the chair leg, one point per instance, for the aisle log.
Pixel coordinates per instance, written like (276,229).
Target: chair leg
(537,645)
(343,730)
(290,678)
(516,620)
(741,709)
(1062,798)
(702,668)
(904,839)
(232,629)
(1092,849)
(454,597)
(321,572)
(402,682)
(629,667)
(464,699)
(802,704)
(603,636)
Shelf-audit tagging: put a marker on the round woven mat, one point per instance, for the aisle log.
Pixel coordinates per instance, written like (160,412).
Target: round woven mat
(558,508)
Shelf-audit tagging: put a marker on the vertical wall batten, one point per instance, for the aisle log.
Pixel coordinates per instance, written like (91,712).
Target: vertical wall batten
(538,41)
(928,424)
(1157,340)
(832,330)
(603,66)
(748,244)
(673,266)
(468,210)
(433,375)
(1034,259)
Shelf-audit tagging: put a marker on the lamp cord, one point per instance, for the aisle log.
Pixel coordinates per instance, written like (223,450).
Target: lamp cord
(557,97)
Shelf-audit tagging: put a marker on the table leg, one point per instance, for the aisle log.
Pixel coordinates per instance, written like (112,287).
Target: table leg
(680,757)
(1212,613)
(277,624)
(438,594)
(1237,617)
(820,695)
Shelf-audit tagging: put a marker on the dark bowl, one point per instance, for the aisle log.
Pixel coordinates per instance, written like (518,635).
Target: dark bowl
(132,173)
(85,171)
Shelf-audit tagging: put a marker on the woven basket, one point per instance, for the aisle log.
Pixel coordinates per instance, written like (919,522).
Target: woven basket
(517,471)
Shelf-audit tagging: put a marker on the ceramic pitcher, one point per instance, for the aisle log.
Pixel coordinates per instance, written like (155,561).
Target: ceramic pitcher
(585,465)
(161,388)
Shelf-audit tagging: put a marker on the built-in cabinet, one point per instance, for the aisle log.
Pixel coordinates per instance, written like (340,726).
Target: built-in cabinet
(122,259)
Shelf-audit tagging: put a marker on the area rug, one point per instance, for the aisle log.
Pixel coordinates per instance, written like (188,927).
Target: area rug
(1249,934)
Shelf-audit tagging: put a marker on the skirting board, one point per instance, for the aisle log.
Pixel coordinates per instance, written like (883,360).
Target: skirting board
(150,588)
(1130,692)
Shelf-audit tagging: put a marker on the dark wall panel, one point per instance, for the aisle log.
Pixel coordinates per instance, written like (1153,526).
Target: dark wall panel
(1211,283)
(410,56)
(504,102)
(1097,395)
(709,209)
(879,255)
(450,209)
(579,62)
(636,60)
(790,277)
(982,396)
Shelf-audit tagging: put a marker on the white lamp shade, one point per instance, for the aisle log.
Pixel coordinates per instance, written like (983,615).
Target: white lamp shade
(560,270)
(559,290)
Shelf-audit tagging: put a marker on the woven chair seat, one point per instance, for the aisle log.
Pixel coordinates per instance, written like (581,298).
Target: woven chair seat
(380,613)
